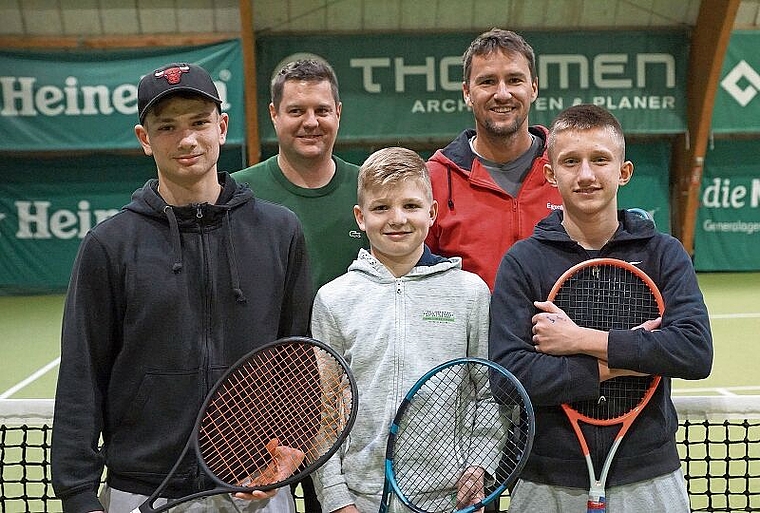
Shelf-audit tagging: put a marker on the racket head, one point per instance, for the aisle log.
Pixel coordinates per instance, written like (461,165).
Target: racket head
(610,294)
(287,405)
(467,413)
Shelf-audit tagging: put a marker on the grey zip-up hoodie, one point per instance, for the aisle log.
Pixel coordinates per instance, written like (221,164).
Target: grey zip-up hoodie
(391,331)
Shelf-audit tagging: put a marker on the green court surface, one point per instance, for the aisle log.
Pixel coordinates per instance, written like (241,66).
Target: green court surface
(30,327)
(732,300)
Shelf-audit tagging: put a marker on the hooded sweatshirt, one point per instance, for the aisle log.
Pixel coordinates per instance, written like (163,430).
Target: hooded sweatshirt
(477,219)
(680,348)
(162,300)
(391,331)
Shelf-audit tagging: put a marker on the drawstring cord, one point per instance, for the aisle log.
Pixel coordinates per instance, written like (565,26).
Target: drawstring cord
(451,193)
(176,242)
(232,257)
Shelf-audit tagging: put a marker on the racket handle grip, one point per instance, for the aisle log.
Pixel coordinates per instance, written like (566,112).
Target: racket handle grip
(596,506)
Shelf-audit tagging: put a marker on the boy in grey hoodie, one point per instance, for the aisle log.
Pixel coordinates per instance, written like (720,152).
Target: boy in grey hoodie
(398,312)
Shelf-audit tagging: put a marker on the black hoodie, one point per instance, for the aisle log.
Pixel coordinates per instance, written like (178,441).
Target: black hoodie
(161,301)
(681,348)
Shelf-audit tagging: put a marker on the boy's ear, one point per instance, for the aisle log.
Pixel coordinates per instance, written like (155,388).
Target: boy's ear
(224,121)
(433,212)
(626,172)
(359,216)
(142,136)
(549,174)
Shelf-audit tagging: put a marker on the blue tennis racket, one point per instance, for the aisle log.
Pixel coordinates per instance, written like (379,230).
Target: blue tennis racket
(459,438)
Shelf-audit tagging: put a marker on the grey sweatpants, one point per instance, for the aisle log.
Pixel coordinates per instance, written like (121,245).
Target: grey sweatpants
(663,494)
(117,501)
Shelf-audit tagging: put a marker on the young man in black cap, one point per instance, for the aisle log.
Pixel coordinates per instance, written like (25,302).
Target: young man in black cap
(157,308)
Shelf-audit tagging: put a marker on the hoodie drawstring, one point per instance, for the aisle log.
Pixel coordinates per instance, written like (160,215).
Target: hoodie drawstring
(451,194)
(232,258)
(176,242)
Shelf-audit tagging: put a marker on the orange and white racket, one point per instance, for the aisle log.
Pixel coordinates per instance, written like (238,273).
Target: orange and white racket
(608,294)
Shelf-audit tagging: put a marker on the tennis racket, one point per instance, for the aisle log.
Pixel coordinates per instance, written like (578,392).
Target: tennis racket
(608,294)
(274,417)
(459,438)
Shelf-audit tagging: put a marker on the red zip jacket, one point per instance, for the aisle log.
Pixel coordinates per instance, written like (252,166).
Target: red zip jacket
(477,220)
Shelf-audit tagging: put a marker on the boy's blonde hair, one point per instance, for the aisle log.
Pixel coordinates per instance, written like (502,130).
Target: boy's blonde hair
(391,166)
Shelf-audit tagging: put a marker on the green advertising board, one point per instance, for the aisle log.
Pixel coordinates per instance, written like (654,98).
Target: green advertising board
(395,90)
(737,102)
(48,204)
(72,100)
(406,89)
(727,236)
(648,189)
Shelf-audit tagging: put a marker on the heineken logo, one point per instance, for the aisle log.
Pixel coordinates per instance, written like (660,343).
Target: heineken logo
(742,83)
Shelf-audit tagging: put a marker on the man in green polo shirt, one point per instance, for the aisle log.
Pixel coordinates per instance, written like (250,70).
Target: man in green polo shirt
(308,179)
(305,176)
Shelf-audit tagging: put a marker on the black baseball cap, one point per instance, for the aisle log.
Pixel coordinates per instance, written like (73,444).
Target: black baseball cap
(174,78)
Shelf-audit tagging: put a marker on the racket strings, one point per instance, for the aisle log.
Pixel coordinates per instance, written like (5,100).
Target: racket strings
(609,297)
(617,397)
(229,432)
(276,414)
(452,431)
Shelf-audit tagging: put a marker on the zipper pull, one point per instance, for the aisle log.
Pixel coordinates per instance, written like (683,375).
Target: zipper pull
(199,211)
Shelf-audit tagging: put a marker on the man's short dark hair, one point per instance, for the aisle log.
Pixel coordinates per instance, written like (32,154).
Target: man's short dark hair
(498,40)
(310,70)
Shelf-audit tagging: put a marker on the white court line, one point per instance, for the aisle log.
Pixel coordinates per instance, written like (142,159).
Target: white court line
(718,390)
(39,373)
(748,315)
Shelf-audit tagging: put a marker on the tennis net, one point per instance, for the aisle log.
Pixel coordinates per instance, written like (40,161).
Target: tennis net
(718,439)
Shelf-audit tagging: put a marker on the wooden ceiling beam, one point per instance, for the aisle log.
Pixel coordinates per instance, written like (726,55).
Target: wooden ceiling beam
(709,43)
(250,94)
(110,42)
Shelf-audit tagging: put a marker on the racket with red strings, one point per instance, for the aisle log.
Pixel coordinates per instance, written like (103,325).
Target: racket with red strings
(608,294)
(275,416)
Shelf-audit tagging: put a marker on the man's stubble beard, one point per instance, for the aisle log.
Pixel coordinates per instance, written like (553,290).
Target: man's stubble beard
(503,131)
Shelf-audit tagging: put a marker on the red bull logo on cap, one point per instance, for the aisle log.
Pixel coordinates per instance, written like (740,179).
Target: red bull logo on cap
(172,75)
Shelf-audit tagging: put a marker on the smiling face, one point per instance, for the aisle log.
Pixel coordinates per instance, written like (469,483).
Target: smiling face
(588,167)
(184,135)
(306,120)
(396,218)
(500,91)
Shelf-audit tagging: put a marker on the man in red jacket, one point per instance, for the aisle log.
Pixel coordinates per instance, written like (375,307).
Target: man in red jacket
(489,181)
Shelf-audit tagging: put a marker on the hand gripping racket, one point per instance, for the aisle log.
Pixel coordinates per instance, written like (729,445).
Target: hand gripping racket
(274,417)
(466,427)
(608,294)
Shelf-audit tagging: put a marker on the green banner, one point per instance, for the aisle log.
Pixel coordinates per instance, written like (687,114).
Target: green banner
(649,187)
(88,100)
(737,102)
(47,205)
(399,88)
(727,236)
